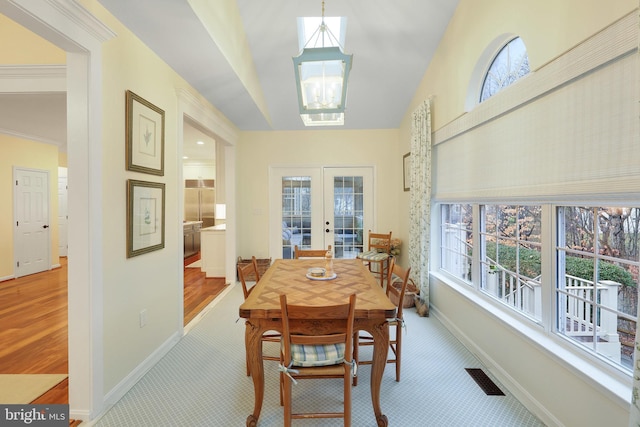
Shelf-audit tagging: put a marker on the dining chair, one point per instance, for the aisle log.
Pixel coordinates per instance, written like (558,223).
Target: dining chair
(248,270)
(397,285)
(378,253)
(317,343)
(251,270)
(309,253)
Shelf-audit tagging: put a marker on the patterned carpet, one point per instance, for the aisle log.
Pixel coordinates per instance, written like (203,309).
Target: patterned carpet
(202,382)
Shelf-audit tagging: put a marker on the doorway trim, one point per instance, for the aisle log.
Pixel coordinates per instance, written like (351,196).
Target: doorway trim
(72,28)
(190,106)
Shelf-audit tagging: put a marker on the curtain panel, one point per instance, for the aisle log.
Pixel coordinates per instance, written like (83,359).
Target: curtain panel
(420,198)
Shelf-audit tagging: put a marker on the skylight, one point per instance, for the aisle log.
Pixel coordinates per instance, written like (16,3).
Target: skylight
(308,31)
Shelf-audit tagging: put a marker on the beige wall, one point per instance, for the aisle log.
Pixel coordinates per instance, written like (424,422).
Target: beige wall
(547,27)
(22,153)
(25,47)
(153,281)
(257,151)
(547,384)
(62,159)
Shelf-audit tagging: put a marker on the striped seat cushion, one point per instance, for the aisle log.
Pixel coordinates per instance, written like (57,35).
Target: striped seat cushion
(373,256)
(317,355)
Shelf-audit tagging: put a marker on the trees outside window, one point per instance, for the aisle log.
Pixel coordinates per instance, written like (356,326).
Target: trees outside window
(509,65)
(591,286)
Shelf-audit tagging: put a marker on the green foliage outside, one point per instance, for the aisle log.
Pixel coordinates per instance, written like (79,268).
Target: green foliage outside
(530,265)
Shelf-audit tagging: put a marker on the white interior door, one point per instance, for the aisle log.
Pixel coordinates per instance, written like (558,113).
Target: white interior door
(63,218)
(32,236)
(315,207)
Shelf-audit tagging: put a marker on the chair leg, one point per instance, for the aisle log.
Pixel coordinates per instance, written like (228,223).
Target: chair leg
(286,388)
(398,349)
(281,389)
(347,398)
(246,355)
(356,345)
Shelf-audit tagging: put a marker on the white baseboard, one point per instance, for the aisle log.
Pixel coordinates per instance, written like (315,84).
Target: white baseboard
(2,279)
(80,415)
(113,396)
(503,376)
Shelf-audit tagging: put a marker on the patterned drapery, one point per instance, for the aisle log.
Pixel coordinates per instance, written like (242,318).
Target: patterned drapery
(420,198)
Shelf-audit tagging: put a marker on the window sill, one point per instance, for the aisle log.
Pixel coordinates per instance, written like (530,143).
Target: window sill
(616,382)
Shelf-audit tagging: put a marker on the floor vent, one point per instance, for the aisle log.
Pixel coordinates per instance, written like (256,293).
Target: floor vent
(485,383)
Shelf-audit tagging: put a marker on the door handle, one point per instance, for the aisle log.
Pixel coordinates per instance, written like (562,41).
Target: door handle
(327,230)
(45,226)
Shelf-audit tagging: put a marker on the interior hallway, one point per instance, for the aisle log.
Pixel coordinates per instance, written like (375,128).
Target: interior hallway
(33,315)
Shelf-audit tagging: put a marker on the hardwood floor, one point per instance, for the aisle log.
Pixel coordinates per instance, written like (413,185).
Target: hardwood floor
(33,322)
(198,292)
(33,319)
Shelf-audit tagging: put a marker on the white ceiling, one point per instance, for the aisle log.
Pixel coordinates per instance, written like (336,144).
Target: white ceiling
(195,152)
(392,43)
(40,117)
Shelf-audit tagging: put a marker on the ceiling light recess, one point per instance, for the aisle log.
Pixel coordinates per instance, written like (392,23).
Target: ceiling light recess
(321,78)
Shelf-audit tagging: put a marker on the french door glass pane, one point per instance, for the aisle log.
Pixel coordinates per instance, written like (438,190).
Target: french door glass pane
(296,214)
(348,212)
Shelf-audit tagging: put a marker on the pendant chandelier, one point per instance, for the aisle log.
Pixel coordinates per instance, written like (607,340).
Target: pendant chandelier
(321,78)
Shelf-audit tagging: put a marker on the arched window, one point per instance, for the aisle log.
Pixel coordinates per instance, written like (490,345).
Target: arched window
(509,65)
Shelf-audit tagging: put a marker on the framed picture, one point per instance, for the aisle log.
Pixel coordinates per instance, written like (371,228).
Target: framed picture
(145,135)
(145,217)
(406,169)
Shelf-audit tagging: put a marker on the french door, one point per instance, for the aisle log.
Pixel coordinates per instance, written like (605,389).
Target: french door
(319,206)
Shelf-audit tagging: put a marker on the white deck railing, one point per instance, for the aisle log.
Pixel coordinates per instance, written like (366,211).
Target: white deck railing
(590,313)
(583,301)
(524,296)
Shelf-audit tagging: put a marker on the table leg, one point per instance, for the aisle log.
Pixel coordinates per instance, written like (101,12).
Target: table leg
(380,333)
(253,340)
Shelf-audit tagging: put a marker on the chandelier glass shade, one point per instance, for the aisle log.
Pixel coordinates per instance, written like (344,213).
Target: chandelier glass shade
(321,79)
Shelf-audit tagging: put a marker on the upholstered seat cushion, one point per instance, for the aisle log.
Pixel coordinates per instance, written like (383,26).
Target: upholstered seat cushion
(373,256)
(317,355)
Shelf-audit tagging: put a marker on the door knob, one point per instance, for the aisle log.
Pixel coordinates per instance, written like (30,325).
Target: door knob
(45,226)
(327,230)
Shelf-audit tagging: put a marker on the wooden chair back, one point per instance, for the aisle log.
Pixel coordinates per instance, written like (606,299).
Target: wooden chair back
(247,270)
(338,328)
(396,274)
(380,242)
(402,277)
(311,326)
(309,253)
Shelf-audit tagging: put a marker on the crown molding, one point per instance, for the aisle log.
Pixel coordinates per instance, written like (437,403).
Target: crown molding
(33,78)
(35,138)
(83,19)
(200,111)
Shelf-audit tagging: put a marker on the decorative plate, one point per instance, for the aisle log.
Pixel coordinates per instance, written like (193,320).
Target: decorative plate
(333,276)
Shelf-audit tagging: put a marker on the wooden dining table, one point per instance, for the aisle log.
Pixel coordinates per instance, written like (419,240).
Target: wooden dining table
(262,313)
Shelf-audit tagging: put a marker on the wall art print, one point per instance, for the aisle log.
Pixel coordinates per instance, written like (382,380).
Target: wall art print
(144,135)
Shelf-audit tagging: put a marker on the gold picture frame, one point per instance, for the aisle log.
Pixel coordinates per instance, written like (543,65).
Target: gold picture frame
(144,135)
(406,169)
(145,217)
